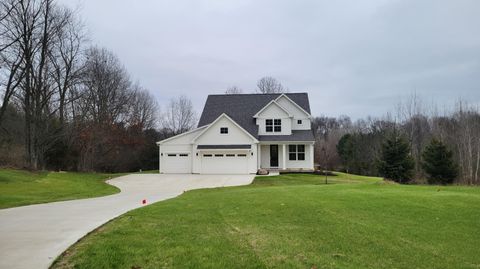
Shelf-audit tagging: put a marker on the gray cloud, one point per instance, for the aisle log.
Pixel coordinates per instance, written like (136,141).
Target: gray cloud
(353,57)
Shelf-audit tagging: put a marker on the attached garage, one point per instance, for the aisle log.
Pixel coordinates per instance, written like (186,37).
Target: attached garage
(224,162)
(177,163)
(222,147)
(224,159)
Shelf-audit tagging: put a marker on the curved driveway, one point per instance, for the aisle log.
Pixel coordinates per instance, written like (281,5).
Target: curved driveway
(33,236)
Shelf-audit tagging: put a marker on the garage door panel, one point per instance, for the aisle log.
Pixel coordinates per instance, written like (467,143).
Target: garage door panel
(224,163)
(177,163)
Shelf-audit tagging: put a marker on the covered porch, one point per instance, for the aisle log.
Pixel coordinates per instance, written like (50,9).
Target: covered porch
(285,156)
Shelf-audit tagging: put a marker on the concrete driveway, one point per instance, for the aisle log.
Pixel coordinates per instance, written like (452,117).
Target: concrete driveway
(33,236)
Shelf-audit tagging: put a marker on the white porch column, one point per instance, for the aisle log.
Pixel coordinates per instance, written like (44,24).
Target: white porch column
(284,154)
(259,156)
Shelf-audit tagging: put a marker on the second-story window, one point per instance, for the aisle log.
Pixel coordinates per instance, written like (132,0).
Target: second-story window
(273,125)
(277,125)
(269,126)
(224,130)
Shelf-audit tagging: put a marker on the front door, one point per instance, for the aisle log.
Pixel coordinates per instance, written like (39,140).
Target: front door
(273,155)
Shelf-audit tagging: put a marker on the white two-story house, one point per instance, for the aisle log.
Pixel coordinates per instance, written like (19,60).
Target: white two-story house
(241,133)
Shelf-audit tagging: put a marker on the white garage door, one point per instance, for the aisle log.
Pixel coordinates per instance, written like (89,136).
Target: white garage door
(176,163)
(224,163)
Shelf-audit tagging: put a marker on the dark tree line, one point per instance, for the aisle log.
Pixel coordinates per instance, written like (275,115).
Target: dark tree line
(358,147)
(64,103)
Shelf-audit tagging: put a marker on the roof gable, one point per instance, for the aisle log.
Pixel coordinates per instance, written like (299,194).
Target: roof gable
(182,135)
(242,107)
(225,116)
(290,102)
(272,103)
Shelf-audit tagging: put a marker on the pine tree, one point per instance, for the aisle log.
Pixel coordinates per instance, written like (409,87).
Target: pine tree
(395,162)
(438,163)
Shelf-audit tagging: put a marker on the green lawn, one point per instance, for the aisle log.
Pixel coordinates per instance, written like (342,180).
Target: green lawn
(293,221)
(18,187)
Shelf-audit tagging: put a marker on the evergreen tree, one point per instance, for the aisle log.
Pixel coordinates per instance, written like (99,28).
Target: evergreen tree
(395,162)
(438,163)
(345,150)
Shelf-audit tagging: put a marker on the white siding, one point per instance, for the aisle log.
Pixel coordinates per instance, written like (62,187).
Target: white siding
(306,124)
(307,163)
(273,111)
(235,136)
(297,113)
(291,108)
(212,135)
(180,144)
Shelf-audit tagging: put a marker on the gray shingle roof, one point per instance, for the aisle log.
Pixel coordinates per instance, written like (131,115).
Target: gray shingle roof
(242,107)
(297,135)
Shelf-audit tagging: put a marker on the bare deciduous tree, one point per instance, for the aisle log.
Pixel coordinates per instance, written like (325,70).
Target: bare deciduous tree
(143,109)
(270,85)
(34,27)
(233,90)
(67,59)
(179,115)
(106,88)
(73,103)
(11,53)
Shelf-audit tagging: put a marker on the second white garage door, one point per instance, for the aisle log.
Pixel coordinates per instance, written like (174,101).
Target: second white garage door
(224,163)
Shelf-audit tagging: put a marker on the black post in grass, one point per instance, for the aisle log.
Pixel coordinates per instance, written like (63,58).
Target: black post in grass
(325,162)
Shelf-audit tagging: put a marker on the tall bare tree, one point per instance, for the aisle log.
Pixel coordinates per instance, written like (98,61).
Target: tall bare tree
(103,107)
(179,115)
(11,53)
(106,88)
(33,30)
(270,85)
(67,59)
(143,109)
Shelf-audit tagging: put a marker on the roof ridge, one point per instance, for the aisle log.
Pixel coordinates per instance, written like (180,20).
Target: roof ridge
(280,93)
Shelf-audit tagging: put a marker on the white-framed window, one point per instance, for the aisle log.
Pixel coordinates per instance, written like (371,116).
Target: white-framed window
(241,155)
(171,155)
(224,130)
(183,155)
(296,152)
(273,125)
(299,121)
(218,155)
(207,155)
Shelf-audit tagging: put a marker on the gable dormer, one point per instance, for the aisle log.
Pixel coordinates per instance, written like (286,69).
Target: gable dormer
(273,119)
(301,119)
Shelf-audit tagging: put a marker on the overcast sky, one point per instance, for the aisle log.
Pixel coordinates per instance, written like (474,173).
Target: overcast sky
(353,57)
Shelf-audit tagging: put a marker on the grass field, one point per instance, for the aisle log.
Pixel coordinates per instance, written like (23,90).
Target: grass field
(18,187)
(293,221)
